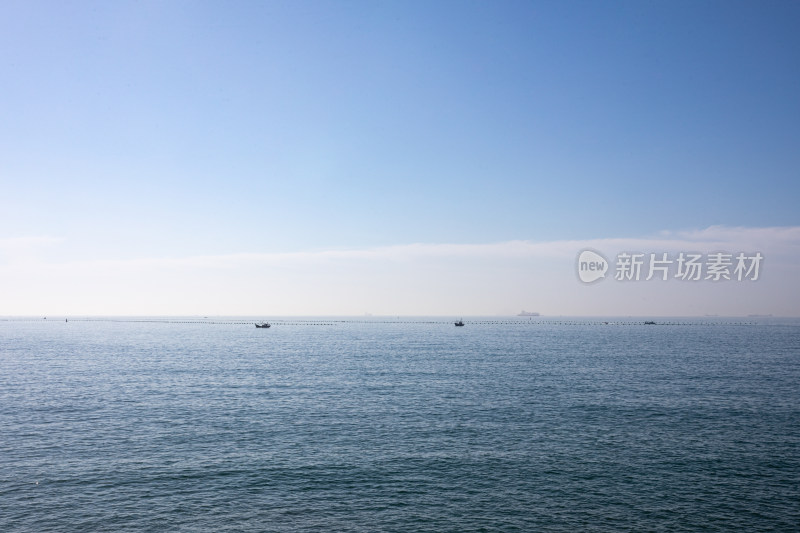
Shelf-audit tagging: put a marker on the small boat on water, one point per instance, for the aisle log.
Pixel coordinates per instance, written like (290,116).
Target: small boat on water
(262,325)
(649,323)
(460,323)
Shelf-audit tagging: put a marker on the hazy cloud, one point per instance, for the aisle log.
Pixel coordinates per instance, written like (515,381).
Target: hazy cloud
(402,279)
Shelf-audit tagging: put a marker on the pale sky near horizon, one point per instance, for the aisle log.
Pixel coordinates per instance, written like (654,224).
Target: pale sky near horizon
(445,157)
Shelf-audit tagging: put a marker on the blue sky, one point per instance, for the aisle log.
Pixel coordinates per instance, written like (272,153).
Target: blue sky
(155,131)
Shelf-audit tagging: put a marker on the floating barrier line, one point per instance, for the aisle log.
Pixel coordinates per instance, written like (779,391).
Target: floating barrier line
(311,322)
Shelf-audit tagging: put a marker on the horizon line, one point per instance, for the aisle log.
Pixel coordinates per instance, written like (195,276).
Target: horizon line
(363,316)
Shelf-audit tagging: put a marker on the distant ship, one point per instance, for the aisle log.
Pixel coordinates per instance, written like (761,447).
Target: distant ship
(263,325)
(460,323)
(526,313)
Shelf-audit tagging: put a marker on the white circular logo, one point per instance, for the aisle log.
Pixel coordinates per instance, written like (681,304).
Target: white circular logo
(591,266)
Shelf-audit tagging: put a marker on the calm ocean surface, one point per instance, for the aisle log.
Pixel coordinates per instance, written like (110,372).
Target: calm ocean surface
(400,425)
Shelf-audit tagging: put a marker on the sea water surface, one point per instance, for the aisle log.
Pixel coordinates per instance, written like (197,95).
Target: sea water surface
(400,425)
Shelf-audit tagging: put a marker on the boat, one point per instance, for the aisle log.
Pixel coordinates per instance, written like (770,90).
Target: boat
(263,325)
(649,323)
(527,313)
(460,323)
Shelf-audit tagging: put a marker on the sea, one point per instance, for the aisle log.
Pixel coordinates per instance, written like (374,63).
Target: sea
(399,424)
